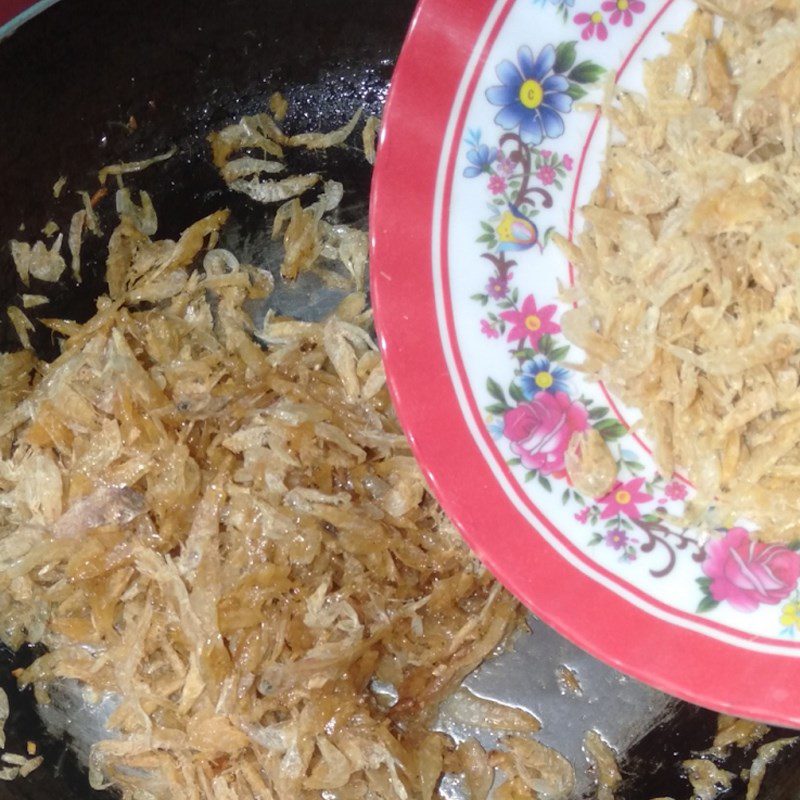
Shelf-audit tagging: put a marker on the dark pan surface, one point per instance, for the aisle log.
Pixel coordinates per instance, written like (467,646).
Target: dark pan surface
(71,80)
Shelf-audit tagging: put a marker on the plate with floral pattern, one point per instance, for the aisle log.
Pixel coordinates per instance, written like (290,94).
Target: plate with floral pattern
(490,145)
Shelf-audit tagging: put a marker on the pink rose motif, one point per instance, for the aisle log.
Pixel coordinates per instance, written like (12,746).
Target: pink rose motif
(497,185)
(675,490)
(545,153)
(625,498)
(540,430)
(567,162)
(748,573)
(546,174)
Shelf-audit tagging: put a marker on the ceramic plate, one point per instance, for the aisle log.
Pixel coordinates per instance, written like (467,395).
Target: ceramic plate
(487,150)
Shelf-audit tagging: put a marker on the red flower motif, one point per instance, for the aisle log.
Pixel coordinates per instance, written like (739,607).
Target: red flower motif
(675,490)
(487,329)
(748,573)
(530,322)
(567,162)
(623,10)
(582,515)
(497,185)
(625,498)
(546,174)
(593,24)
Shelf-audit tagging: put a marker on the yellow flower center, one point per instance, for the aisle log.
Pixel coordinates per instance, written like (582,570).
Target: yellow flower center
(791,614)
(531,93)
(532,322)
(622,5)
(623,497)
(544,380)
(597,17)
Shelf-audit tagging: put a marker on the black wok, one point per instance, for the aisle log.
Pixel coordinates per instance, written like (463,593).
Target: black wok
(91,82)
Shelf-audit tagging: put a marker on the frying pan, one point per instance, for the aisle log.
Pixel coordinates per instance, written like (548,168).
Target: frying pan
(92,82)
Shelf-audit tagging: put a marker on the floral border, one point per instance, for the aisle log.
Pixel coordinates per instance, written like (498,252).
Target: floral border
(537,412)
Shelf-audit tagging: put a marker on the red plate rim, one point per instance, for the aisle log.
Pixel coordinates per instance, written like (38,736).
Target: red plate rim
(679,660)
(14,13)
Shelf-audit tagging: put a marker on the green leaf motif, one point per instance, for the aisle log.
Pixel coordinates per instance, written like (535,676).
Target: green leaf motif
(565,497)
(493,387)
(559,353)
(598,413)
(576,92)
(565,56)
(545,344)
(704,583)
(651,518)
(530,475)
(545,484)
(516,393)
(708,603)
(596,539)
(586,72)
(610,429)
(497,408)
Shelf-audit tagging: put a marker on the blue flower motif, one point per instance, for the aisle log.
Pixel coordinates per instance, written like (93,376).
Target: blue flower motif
(473,137)
(496,427)
(539,375)
(480,158)
(532,96)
